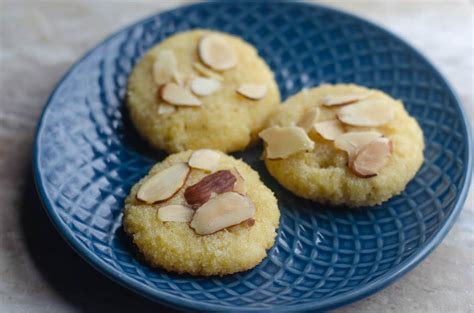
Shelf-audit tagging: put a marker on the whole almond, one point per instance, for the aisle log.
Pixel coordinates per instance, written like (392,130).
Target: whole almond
(217,183)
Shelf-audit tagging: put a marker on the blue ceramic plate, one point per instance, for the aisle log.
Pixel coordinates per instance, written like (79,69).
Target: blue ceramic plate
(87,156)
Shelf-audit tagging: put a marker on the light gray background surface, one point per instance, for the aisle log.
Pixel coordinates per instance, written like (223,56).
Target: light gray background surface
(39,40)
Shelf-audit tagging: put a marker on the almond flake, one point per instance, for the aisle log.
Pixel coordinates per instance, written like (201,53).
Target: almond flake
(204,86)
(333,100)
(177,95)
(204,159)
(252,91)
(216,52)
(225,210)
(175,213)
(207,72)
(366,113)
(285,141)
(164,185)
(371,158)
(329,130)
(164,68)
(353,141)
(239,185)
(309,118)
(166,109)
(217,183)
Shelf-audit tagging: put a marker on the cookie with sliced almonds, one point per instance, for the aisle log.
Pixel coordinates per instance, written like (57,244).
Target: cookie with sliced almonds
(199,89)
(366,145)
(217,223)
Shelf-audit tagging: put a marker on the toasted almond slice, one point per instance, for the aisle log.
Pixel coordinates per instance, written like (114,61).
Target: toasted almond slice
(252,91)
(215,183)
(166,109)
(225,210)
(204,159)
(164,67)
(207,72)
(333,100)
(177,95)
(309,118)
(371,158)
(216,52)
(175,213)
(353,141)
(163,185)
(330,130)
(366,113)
(204,86)
(285,141)
(239,185)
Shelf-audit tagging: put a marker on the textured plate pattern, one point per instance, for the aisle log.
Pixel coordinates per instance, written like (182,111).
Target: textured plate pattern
(88,156)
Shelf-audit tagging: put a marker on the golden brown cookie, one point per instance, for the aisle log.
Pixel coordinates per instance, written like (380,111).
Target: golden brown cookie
(180,225)
(201,89)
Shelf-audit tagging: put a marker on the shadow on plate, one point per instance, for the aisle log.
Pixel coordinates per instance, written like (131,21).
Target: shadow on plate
(66,272)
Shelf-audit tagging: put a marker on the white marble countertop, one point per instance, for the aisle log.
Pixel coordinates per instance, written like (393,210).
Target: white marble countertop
(39,40)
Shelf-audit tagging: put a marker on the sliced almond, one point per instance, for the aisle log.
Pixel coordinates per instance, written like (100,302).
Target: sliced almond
(204,159)
(252,91)
(225,210)
(329,130)
(371,158)
(175,213)
(207,72)
(164,67)
(179,78)
(204,86)
(166,109)
(366,113)
(217,183)
(239,185)
(353,141)
(164,185)
(216,52)
(333,100)
(178,95)
(309,118)
(285,141)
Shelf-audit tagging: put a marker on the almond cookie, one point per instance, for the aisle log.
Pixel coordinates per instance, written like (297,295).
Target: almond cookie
(343,145)
(201,89)
(202,213)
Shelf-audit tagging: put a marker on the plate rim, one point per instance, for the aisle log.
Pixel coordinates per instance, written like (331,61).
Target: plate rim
(157,295)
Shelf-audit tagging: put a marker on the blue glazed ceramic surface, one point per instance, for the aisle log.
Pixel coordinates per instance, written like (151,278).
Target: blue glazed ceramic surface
(87,156)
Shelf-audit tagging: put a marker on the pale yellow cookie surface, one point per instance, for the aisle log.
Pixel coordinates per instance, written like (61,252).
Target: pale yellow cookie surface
(226,121)
(323,175)
(176,247)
